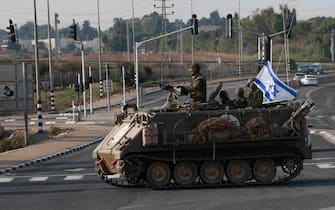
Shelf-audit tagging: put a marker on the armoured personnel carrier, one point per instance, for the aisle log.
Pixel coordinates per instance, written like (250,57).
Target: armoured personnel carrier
(188,146)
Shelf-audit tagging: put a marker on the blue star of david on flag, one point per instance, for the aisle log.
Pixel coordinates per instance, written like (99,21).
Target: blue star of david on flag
(274,90)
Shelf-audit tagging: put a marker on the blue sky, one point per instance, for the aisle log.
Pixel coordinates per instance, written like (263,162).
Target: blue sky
(22,11)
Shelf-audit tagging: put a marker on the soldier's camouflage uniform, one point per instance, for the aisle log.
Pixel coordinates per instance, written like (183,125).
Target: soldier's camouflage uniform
(197,90)
(255,98)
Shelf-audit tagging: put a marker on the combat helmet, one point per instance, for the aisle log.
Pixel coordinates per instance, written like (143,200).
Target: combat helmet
(195,66)
(239,92)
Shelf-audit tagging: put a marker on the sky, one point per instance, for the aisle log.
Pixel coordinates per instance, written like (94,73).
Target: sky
(22,11)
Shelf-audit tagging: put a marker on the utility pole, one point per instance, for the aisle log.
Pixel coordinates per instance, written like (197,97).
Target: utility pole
(91,93)
(83,76)
(239,39)
(128,44)
(123,86)
(57,37)
(287,59)
(192,38)
(332,44)
(99,57)
(107,89)
(37,74)
(52,96)
(25,105)
(133,28)
(163,44)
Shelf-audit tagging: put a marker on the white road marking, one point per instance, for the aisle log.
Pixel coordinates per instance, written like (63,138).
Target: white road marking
(10,120)
(70,122)
(329,208)
(113,176)
(38,179)
(35,119)
(328,136)
(132,207)
(75,169)
(87,123)
(326,165)
(62,118)
(78,177)
(32,123)
(311,164)
(50,123)
(326,158)
(5,179)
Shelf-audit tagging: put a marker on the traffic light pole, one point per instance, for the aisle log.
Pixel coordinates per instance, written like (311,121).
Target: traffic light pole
(83,76)
(52,96)
(99,55)
(37,73)
(138,44)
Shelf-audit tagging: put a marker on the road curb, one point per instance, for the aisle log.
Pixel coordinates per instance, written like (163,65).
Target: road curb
(50,157)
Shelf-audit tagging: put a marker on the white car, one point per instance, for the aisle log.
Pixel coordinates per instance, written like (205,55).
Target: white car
(309,79)
(298,76)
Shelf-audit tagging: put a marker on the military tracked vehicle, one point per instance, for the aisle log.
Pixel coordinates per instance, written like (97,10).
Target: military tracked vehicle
(198,145)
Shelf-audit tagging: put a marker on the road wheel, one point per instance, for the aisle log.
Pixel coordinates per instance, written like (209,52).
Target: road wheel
(238,171)
(158,174)
(185,173)
(264,170)
(292,165)
(211,172)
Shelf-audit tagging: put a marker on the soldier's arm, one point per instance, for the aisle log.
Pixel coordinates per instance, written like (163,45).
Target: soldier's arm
(215,92)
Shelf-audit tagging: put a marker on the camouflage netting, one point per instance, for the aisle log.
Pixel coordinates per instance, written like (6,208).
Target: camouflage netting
(220,129)
(214,128)
(258,128)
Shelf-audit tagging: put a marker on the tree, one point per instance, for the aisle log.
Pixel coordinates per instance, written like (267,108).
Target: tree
(87,32)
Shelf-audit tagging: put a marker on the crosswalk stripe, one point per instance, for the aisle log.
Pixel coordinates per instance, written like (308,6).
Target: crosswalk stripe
(78,177)
(5,179)
(38,179)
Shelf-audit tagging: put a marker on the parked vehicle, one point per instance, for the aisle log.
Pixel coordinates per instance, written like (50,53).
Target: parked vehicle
(318,68)
(309,79)
(298,76)
(306,69)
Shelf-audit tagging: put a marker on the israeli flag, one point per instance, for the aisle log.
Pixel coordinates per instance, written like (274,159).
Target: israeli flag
(274,90)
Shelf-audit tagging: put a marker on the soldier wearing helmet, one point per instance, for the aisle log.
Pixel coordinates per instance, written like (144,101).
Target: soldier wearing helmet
(225,100)
(240,100)
(255,97)
(197,89)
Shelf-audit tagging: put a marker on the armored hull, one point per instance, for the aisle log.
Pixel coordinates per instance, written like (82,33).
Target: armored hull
(205,148)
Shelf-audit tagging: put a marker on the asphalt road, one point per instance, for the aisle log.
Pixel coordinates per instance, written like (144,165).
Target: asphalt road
(70,182)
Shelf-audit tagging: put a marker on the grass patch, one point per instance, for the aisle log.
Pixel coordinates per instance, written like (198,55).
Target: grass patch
(64,97)
(15,139)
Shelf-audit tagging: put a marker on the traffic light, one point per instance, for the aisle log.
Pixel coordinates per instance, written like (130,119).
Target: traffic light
(73,30)
(194,30)
(11,31)
(229,26)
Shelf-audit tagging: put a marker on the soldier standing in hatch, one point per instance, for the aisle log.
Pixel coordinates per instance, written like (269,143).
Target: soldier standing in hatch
(240,101)
(197,90)
(255,97)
